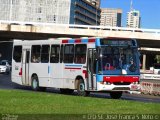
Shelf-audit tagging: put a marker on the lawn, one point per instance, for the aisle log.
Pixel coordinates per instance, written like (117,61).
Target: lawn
(29,102)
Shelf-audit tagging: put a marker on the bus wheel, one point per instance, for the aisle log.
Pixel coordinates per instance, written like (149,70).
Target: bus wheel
(116,95)
(81,88)
(35,83)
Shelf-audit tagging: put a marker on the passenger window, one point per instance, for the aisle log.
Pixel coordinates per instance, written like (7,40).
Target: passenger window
(45,53)
(35,55)
(55,49)
(17,53)
(68,53)
(80,53)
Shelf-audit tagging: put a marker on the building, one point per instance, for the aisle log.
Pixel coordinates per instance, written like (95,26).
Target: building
(111,17)
(133,19)
(84,12)
(50,11)
(95,2)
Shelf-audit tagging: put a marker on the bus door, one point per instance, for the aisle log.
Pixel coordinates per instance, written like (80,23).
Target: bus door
(25,67)
(56,66)
(91,68)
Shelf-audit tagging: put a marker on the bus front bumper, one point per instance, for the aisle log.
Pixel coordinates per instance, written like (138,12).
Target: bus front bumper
(112,87)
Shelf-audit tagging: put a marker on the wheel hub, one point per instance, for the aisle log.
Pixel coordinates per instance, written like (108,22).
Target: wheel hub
(34,83)
(81,87)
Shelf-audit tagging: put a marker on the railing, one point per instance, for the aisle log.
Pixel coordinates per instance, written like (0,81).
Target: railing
(156,31)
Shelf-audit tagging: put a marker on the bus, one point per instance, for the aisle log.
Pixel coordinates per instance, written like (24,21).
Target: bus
(109,65)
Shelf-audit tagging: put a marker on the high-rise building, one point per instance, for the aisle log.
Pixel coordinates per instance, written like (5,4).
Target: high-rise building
(51,11)
(133,19)
(111,17)
(84,12)
(95,2)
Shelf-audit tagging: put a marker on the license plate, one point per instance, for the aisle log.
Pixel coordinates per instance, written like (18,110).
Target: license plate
(134,87)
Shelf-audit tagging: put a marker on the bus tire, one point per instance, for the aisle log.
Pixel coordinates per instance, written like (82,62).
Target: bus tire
(81,88)
(116,94)
(35,83)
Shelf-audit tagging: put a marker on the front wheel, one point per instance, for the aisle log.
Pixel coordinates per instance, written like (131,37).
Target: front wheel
(81,88)
(116,94)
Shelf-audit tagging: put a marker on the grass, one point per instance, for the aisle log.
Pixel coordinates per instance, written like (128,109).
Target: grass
(29,102)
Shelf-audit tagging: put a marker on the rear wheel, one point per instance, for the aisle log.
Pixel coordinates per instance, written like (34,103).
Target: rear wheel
(116,95)
(81,88)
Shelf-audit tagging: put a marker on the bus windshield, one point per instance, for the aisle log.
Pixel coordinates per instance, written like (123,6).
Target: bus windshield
(115,58)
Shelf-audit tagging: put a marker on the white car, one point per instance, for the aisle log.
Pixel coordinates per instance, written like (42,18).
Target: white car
(5,66)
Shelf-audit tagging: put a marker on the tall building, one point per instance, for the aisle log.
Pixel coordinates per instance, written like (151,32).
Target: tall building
(133,19)
(51,11)
(84,12)
(111,17)
(35,10)
(95,2)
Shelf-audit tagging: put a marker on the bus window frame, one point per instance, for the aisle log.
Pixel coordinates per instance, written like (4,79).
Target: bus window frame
(58,53)
(20,58)
(34,57)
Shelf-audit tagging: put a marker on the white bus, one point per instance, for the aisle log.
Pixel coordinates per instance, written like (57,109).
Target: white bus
(86,65)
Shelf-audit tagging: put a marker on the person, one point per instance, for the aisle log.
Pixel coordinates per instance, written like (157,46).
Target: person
(34,59)
(116,62)
(108,63)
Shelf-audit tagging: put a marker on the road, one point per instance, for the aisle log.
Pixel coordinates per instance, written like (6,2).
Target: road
(5,83)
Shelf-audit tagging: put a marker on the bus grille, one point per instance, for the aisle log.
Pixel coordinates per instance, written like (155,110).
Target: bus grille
(121,88)
(121,83)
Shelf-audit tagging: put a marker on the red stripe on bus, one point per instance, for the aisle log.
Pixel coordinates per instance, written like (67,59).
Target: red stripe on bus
(64,41)
(77,41)
(73,68)
(91,40)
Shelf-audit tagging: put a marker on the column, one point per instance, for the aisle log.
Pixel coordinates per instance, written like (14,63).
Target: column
(144,62)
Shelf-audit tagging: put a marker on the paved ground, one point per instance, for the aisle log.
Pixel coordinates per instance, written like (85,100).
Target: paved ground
(5,83)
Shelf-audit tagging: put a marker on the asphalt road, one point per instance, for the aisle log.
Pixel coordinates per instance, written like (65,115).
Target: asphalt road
(5,83)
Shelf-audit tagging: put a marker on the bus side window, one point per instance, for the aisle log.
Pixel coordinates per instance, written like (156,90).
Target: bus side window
(55,49)
(17,53)
(80,53)
(45,53)
(35,54)
(68,53)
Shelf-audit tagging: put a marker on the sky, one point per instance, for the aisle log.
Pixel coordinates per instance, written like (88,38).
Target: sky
(149,11)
